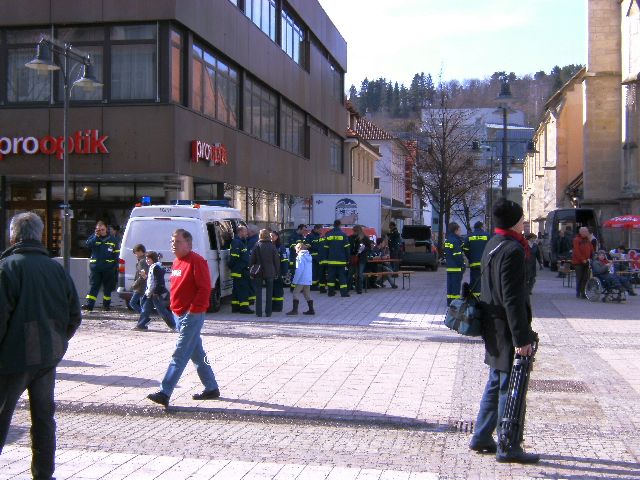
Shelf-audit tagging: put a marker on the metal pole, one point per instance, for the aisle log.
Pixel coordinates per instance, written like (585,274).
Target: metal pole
(503,180)
(491,197)
(65,165)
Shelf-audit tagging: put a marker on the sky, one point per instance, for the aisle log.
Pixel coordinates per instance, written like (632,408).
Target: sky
(457,39)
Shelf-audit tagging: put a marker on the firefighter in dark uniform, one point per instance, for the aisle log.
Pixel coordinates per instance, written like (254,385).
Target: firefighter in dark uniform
(103,265)
(239,265)
(454,255)
(337,249)
(313,240)
(322,266)
(277,298)
(473,248)
(298,236)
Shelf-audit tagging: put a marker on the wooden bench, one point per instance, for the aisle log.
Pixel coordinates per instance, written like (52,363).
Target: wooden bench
(404,273)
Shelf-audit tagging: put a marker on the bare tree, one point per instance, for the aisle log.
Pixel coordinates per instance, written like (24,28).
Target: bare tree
(447,170)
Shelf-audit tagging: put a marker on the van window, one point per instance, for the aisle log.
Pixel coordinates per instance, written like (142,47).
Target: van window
(213,241)
(225,229)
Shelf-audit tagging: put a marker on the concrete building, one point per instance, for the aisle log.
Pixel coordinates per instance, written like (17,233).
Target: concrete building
(225,98)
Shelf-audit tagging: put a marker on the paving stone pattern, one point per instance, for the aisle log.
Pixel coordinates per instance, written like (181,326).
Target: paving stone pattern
(373,387)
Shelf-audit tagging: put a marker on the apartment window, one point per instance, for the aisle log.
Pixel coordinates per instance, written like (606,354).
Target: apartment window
(293,40)
(336,82)
(215,87)
(133,62)
(316,126)
(263,14)
(260,111)
(176,66)
(292,126)
(335,148)
(88,40)
(25,84)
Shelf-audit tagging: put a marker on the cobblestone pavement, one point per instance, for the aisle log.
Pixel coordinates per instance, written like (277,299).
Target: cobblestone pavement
(373,387)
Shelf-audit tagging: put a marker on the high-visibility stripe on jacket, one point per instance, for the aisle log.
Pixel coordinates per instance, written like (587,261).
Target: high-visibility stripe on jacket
(474,246)
(337,247)
(453,252)
(239,257)
(313,240)
(104,252)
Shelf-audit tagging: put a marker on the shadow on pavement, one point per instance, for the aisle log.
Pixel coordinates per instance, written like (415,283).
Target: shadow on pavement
(16,432)
(77,364)
(107,380)
(593,470)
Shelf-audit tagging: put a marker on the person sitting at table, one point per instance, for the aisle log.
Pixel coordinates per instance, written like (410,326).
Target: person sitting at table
(619,255)
(634,260)
(381,251)
(601,267)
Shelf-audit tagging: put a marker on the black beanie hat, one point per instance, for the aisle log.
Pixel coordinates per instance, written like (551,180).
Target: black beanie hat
(506,213)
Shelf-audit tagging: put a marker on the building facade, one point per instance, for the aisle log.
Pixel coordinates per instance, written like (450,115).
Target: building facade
(201,100)
(361,155)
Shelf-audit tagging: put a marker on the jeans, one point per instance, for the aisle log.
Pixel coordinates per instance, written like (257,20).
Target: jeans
(189,346)
(137,302)
(492,406)
(163,311)
(257,285)
(362,264)
(40,385)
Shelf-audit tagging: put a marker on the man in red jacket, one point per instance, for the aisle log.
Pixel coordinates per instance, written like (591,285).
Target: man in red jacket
(582,252)
(190,292)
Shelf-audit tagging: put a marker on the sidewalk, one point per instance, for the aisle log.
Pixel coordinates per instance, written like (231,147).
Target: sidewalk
(374,386)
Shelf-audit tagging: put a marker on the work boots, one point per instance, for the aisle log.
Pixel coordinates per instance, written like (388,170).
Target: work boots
(294,310)
(310,310)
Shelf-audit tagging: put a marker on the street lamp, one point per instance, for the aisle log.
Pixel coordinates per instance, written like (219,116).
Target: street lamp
(503,104)
(44,62)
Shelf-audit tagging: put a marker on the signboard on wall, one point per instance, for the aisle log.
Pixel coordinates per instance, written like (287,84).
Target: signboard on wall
(214,154)
(82,142)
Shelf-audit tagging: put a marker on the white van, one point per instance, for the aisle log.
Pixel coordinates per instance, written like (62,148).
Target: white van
(212,228)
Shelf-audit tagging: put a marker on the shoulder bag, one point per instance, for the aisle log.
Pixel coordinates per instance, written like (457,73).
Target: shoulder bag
(256,269)
(464,315)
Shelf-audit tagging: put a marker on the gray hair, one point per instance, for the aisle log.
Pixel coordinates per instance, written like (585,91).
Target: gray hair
(26,226)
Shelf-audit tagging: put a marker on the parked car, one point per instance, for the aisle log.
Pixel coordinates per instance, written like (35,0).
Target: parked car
(417,248)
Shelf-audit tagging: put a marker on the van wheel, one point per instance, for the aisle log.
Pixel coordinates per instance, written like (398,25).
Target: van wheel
(214,300)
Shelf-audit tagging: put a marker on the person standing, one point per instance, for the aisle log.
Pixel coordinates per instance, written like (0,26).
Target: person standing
(395,242)
(239,265)
(507,325)
(582,252)
(454,255)
(156,295)
(314,243)
(103,266)
(278,283)
(298,236)
(39,313)
(337,248)
(473,247)
(562,247)
(360,248)
(252,239)
(265,255)
(190,295)
(140,279)
(304,279)
(533,261)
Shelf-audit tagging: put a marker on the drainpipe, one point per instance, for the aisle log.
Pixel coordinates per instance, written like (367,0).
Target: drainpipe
(351,161)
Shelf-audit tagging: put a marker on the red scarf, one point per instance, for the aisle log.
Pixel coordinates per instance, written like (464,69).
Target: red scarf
(517,237)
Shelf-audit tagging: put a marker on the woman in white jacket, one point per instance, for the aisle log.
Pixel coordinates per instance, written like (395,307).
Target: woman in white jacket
(302,279)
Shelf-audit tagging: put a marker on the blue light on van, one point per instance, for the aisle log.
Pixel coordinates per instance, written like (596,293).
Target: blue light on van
(145,200)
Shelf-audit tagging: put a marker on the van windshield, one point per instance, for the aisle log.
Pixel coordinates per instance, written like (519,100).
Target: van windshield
(155,234)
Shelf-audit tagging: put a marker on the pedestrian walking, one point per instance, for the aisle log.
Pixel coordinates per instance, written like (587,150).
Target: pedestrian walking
(454,255)
(278,282)
(473,249)
(507,325)
(313,239)
(239,264)
(266,257)
(156,295)
(190,295)
(140,279)
(39,313)
(582,253)
(395,242)
(303,280)
(103,265)
(337,248)
(534,261)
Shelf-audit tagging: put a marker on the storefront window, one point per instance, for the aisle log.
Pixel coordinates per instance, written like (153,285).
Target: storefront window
(116,192)
(133,62)
(155,191)
(87,191)
(27,192)
(25,84)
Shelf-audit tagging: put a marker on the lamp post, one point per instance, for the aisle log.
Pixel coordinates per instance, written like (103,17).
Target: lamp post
(503,104)
(44,62)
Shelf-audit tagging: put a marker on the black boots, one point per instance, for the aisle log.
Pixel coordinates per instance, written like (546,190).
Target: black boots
(310,310)
(294,310)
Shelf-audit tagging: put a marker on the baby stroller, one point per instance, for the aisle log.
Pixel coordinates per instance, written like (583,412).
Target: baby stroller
(604,289)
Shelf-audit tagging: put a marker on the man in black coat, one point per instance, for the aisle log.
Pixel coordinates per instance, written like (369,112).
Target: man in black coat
(39,313)
(507,324)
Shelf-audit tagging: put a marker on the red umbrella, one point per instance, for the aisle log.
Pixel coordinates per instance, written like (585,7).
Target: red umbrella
(623,221)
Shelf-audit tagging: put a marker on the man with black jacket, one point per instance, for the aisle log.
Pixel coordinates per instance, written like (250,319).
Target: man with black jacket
(39,313)
(507,325)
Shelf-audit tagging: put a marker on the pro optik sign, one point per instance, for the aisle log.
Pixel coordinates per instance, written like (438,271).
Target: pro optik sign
(83,142)
(215,154)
